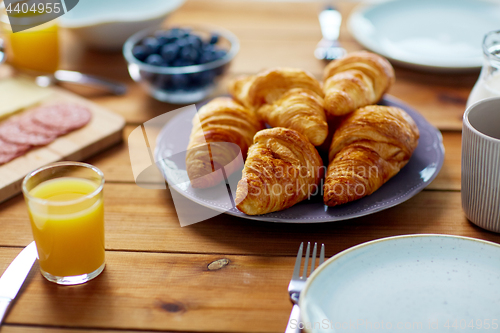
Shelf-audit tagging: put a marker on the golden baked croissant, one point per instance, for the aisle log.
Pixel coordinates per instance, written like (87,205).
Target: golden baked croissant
(267,87)
(371,145)
(285,97)
(282,169)
(220,121)
(298,109)
(356,80)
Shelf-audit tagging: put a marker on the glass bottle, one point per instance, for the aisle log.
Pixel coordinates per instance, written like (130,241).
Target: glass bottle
(488,84)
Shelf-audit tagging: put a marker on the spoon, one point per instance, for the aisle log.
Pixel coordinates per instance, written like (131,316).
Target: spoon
(329,47)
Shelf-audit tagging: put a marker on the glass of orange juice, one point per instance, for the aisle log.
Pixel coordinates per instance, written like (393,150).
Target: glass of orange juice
(65,205)
(35,49)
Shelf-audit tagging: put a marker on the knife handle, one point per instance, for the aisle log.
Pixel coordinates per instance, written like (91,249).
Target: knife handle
(4,307)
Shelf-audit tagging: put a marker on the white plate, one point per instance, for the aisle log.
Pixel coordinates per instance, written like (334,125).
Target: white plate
(405,282)
(439,35)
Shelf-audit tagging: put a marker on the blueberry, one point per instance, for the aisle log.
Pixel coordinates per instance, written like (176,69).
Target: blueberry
(214,39)
(165,37)
(195,41)
(205,57)
(182,63)
(151,44)
(189,53)
(203,78)
(180,33)
(219,54)
(208,48)
(154,60)
(208,55)
(175,30)
(169,52)
(181,42)
(139,52)
(179,81)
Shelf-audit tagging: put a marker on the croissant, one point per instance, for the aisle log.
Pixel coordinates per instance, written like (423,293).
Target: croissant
(356,80)
(285,97)
(219,122)
(371,145)
(282,169)
(267,87)
(298,109)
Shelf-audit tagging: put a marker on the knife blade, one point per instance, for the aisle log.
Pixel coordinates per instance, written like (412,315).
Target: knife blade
(14,276)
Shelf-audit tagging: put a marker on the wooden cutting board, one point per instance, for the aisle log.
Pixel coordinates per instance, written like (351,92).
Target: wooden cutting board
(104,130)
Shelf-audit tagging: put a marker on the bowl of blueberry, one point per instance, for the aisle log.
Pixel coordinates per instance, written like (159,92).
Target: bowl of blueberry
(180,65)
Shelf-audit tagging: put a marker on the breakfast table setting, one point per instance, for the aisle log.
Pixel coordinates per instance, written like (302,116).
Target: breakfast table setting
(164,120)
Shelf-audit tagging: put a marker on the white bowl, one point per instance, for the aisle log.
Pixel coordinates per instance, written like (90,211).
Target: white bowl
(106,25)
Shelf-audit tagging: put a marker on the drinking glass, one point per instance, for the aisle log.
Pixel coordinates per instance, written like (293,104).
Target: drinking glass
(33,50)
(65,205)
(488,84)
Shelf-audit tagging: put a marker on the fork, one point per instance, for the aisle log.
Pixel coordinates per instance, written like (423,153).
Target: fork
(298,281)
(329,47)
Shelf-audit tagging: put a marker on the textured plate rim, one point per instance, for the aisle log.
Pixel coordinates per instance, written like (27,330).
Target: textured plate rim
(339,255)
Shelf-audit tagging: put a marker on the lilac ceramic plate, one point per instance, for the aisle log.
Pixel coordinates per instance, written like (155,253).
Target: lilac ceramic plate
(422,168)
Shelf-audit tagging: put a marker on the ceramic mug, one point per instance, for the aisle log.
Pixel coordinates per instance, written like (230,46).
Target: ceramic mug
(481,164)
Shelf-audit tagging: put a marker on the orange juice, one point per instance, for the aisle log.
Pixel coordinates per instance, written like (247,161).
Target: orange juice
(35,49)
(68,226)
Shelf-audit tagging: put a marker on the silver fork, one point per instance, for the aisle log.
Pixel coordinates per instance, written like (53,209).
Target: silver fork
(298,282)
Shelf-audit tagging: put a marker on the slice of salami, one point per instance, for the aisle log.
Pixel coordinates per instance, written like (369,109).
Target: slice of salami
(62,117)
(7,148)
(10,131)
(28,125)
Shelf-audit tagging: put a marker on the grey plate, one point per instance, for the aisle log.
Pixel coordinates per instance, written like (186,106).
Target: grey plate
(422,168)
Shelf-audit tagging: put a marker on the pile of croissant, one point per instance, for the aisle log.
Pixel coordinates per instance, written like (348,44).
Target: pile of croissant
(368,143)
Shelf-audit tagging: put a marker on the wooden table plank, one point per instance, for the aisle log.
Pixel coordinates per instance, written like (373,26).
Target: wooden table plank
(6,328)
(145,220)
(178,292)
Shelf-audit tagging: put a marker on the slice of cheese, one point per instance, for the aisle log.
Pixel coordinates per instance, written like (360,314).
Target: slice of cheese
(19,93)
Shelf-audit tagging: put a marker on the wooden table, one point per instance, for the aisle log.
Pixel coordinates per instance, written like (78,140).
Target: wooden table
(158,275)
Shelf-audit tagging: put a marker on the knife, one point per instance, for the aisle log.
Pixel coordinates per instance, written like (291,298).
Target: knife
(14,276)
(116,88)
